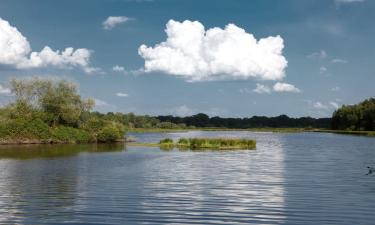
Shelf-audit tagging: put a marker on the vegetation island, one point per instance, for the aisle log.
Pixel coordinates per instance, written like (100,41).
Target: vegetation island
(52,111)
(209,143)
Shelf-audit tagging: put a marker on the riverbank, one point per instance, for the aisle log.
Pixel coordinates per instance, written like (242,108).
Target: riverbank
(266,129)
(26,141)
(349,132)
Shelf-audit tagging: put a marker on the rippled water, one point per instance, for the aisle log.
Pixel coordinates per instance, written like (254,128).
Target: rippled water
(297,178)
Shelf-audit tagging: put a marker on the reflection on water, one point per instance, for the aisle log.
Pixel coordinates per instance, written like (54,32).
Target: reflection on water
(54,150)
(289,179)
(46,187)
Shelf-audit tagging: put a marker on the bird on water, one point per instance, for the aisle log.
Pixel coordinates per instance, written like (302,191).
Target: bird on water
(370,170)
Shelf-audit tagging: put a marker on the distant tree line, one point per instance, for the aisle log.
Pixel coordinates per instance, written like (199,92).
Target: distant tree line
(203,120)
(355,117)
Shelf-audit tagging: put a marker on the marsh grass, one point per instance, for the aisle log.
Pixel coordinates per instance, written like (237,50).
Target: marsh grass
(166,143)
(216,143)
(208,143)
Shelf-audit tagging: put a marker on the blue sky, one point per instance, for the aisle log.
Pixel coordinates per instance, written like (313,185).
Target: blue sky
(327,44)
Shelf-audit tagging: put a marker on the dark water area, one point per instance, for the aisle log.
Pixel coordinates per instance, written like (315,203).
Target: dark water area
(291,178)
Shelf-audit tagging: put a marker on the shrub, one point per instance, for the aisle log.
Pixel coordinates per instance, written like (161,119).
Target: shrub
(70,134)
(37,128)
(109,133)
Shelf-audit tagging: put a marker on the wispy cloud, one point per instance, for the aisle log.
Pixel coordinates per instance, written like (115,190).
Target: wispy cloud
(262,89)
(322,54)
(100,103)
(339,61)
(122,94)
(323,69)
(285,87)
(334,104)
(118,68)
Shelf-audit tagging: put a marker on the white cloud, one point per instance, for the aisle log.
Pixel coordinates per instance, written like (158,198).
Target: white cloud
(322,106)
(100,103)
(113,21)
(15,51)
(285,87)
(118,68)
(322,54)
(262,89)
(197,54)
(4,90)
(334,104)
(319,105)
(121,94)
(339,61)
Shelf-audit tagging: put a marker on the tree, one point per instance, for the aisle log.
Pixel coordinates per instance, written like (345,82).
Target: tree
(355,117)
(58,99)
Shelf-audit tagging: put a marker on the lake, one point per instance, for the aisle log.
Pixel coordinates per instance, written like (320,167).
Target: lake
(291,178)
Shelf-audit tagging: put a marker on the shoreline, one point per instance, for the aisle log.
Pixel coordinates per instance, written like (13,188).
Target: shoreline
(27,141)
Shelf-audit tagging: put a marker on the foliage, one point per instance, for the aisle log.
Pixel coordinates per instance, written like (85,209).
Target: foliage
(282,121)
(71,135)
(355,117)
(59,99)
(52,111)
(109,133)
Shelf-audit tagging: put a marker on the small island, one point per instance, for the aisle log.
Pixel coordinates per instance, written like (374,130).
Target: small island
(203,143)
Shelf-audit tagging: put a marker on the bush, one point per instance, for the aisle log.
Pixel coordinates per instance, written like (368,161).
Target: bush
(37,128)
(109,133)
(70,134)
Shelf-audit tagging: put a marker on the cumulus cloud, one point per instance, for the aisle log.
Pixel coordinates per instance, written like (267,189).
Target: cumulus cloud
(285,87)
(197,54)
(15,51)
(118,68)
(121,94)
(113,21)
(4,90)
(262,89)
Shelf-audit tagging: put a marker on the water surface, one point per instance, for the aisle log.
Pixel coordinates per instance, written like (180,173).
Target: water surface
(294,178)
